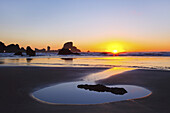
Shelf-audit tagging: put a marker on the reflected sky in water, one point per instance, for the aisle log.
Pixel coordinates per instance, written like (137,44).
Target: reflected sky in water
(68,93)
(106,74)
(118,61)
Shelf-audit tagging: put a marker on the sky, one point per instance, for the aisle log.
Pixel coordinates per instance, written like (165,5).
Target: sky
(95,25)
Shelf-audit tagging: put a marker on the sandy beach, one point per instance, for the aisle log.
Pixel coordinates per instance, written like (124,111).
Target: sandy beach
(17,83)
(85,56)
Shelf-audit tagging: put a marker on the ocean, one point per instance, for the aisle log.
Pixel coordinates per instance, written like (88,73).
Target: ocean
(138,60)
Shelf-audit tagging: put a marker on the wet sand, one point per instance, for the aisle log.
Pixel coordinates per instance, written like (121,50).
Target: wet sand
(16,83)
(156,81)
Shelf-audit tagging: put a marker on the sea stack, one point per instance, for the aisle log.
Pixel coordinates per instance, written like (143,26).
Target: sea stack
(12,48)
(68,49)
(2,47)
(22,49)
(29,51)
(48,48)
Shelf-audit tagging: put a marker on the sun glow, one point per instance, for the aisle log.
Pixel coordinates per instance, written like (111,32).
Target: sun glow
(115,51)
(115,48)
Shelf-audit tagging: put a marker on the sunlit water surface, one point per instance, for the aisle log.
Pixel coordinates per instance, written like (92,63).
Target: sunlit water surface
(144,62)
(68,93)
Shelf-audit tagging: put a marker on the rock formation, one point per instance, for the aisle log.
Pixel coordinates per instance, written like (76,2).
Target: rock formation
(75,50)
(29,60)
(68,48)
(102,88)
(22,49)
(29,51)
(69,45)
(12,48)
(67,59)
(48,48)
(65,52)
(2,47)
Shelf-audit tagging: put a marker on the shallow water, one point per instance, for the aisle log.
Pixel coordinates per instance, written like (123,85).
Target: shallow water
(68,93)
(160,63)
(106,74)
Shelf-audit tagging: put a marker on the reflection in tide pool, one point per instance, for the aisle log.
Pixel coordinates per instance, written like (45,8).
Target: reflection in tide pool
(68,93)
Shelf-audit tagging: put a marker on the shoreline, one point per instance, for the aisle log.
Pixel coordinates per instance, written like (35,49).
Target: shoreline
(18,82)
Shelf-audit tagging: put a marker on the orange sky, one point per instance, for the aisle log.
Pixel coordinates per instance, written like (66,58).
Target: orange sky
(100,46)
(122,46)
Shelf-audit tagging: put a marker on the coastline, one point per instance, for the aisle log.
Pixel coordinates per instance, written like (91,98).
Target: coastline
(17,83)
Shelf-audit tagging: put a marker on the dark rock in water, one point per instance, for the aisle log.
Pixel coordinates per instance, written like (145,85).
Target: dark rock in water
(29,51)
(68,48)
(22,49)
(68,59)
(12,48)
(74,49)
(64,52)
(2,47)
(48,48)
(76,53)
(68,45)
(102,88)
(29,60)
(18,53)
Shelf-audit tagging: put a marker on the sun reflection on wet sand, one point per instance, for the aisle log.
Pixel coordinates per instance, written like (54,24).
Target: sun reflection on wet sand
(106,74)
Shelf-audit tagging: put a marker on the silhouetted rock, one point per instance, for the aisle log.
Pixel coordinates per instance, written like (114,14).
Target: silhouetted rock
(18,53)
(68,59)
(48,48)
(76,53)
(64,52)
(102,88)
(29,51)
(22,49)
(68,45)
(12,48)
(2,47)
(74,49)
(68,48)
(29,60)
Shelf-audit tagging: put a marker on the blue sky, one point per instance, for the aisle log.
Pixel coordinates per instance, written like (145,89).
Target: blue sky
(86,22)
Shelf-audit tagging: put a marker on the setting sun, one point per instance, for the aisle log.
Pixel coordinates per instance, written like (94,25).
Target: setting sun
(115,51)
(115,48)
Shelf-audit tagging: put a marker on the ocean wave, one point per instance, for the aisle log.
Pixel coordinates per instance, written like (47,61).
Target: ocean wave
(55,54)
